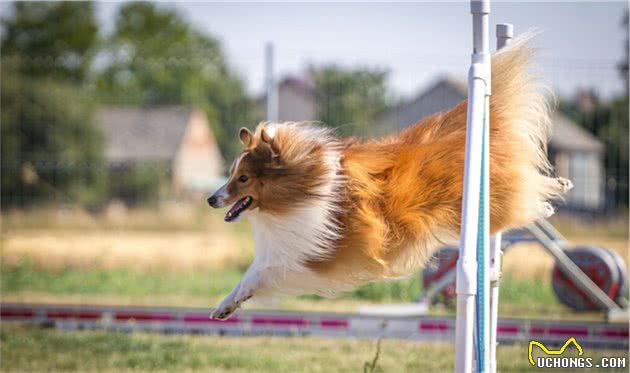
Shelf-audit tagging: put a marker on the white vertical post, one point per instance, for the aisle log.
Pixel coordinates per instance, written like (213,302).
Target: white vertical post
(495,275)
(505,33)
(475,203)
(270,86)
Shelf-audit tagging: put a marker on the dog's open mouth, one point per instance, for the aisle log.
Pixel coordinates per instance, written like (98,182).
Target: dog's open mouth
(240,206)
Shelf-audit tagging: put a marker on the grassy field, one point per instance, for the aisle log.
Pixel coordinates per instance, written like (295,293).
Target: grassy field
(183,257)
(31,349)
(27,282)
(179,256)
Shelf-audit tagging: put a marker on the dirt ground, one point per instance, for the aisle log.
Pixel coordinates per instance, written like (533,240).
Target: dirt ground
(194,250)
(137,250)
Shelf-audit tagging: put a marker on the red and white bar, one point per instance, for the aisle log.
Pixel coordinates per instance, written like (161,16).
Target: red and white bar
(182,320)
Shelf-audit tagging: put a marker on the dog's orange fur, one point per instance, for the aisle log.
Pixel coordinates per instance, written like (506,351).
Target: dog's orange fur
(401,195)
(406,190)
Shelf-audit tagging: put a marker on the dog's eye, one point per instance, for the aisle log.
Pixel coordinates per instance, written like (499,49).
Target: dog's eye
(243,178)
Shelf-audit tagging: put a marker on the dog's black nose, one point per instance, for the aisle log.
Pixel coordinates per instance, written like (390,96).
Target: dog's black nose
(212,201)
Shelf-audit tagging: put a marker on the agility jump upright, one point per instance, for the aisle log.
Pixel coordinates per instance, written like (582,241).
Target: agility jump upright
(473,265)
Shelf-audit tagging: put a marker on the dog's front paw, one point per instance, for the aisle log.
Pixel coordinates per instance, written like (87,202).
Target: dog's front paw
(229,305)
(222,312)
(225,308)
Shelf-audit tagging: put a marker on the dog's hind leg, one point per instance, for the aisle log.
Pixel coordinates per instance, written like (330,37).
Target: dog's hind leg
(565,184)
(559,186)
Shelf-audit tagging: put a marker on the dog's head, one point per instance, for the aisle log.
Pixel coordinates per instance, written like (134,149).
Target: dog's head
(282,166)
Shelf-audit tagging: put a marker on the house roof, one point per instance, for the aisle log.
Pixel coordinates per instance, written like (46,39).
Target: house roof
(143,134)
(301,85)
(567,135)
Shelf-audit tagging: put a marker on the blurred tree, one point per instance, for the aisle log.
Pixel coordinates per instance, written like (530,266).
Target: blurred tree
(617,133)
(51,149)
(51,39)
(155,57)
(139,184)
(350,99)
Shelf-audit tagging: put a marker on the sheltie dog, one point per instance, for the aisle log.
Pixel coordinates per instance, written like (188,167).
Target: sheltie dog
(329,214)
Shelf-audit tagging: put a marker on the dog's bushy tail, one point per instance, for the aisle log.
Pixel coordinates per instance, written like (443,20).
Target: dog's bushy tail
(520,103)
(521,128)
(522,185)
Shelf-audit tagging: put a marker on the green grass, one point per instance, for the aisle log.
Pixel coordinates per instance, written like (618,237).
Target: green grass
(518,298)
(25,281)
(32,349)
(26,277)
(522,292)
(158,287)
(124,282)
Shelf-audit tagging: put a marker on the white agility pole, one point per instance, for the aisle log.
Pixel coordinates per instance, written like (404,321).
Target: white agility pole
(495,276)
(474,245)
(505,33)
(271,87)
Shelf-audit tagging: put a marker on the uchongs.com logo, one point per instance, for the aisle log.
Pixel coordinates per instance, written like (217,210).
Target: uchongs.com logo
(555,359)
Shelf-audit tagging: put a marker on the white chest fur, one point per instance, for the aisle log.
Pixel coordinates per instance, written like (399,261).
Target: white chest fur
(282,246)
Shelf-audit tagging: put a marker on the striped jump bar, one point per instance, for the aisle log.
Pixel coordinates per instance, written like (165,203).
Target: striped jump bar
(246,322)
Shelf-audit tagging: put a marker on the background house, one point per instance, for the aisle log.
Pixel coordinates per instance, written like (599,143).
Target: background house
(178,140)
(296,99)
(575,153)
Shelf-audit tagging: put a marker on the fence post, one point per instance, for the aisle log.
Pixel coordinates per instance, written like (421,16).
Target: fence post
(271,86)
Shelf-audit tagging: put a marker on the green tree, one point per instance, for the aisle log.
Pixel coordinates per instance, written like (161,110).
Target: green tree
(350,99)
(617,160)
(139,183)
(51,149)
(51,39)
(157,58)
(616,135)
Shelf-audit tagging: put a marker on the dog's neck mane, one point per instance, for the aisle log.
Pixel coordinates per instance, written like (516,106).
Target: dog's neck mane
(310,231)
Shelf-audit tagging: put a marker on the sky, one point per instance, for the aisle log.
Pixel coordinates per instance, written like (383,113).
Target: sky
(580,42)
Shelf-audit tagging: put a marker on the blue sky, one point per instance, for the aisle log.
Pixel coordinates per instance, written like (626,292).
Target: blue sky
(581,42)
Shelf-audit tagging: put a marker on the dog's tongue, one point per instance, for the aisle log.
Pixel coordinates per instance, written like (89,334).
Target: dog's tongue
(233,212)
(238,207)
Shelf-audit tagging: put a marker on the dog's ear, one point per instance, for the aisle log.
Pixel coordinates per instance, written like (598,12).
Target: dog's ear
(245,136)
(266,137)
